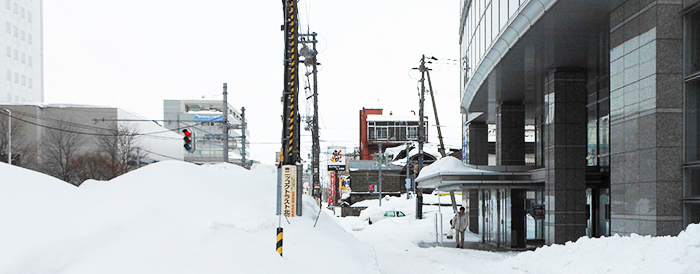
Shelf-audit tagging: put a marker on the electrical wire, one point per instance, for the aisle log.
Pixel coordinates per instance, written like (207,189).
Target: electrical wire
(92,134)
(166,156)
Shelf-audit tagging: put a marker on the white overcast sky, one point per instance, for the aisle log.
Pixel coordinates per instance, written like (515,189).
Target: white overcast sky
(134,54)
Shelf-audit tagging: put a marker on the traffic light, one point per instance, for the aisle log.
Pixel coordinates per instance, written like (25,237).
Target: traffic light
(189,140)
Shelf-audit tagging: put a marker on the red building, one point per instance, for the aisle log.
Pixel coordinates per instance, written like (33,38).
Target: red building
(389,130)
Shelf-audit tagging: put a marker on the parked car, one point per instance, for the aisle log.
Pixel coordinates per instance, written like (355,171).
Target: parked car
(385,214)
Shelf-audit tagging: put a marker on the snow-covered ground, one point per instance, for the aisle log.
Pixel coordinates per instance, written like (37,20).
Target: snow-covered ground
(176,217)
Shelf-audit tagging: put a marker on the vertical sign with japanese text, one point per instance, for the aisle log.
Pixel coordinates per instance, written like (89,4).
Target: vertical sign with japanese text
(289,190)
(331,197)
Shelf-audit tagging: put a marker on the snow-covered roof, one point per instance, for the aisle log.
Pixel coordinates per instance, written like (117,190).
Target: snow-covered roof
(375,118)
(449,165)
(451,173)
(428,148)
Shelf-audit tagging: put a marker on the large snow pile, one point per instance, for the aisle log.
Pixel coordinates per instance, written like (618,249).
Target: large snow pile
(407,245)
(616,254)
(169,217)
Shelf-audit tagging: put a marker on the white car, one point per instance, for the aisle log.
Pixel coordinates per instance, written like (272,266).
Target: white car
(385,214)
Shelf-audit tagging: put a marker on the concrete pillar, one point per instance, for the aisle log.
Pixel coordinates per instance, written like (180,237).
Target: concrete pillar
(565,155)
(510,134)
(478,143)
(473,203)
(646,117)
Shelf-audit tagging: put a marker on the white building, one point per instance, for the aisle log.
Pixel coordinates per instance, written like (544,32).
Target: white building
(205,118)
(21,48)
(37,127)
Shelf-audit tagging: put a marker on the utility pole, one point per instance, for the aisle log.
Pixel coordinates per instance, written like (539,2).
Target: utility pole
(437,121)
(138,157)
(408,173)
(421,137)
(9,136)
(243,126)
(225,125)
(310,60)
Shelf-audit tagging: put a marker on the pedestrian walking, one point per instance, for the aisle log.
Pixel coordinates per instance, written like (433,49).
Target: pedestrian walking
(460,222)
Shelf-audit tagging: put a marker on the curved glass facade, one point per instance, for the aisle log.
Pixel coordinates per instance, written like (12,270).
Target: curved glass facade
(485,20)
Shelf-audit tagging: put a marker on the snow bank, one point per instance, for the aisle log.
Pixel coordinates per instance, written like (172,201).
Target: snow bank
(169,217)
(616,254)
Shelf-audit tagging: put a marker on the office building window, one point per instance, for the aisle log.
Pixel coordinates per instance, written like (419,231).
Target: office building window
(21,12)
(29,38)
(7,4)
(29,61)
(692,121)
(8,27)
(30,83)
(9,51)
(14,7)
(29,17)
(9,75)
(16,77)
(693,44)
(16,55)
(24,80)
(23,58)
(22,35)
(16,31)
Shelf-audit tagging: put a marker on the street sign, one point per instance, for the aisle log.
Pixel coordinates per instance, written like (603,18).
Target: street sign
(337,160)
(289,190)
(208,118)
(332,194)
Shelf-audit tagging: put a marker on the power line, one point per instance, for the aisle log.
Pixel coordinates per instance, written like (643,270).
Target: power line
(88,133)
(166,156)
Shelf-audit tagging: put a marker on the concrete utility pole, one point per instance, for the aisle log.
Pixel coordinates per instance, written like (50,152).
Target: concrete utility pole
(437,121)
(421,136)
(225,125)
(408,172)
(421,126)
(310,60)
(138,157)
(9,136)
(243,126)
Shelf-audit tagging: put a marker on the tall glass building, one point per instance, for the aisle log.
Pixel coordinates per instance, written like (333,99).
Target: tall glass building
(21,45)
(611,89)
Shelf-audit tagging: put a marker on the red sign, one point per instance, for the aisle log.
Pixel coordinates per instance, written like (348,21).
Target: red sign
(332,194)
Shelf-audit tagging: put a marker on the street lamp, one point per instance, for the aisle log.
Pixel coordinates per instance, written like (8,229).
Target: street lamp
(9,136)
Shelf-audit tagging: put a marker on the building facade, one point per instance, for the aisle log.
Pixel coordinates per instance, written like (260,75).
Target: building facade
(388,130)
(609,88)
(39,130)
(22,58)
(205,118)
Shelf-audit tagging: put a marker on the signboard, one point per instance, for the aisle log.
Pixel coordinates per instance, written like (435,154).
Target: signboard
(208,118)
(337,159)
(331,196)
(538,213)
(289,190)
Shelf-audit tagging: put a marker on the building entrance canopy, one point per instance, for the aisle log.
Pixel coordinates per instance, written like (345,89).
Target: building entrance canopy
(449,173)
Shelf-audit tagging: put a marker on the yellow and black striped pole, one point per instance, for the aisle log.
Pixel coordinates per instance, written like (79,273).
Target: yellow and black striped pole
(279,240)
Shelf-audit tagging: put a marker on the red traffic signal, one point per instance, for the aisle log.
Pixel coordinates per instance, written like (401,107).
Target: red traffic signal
(189,140)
